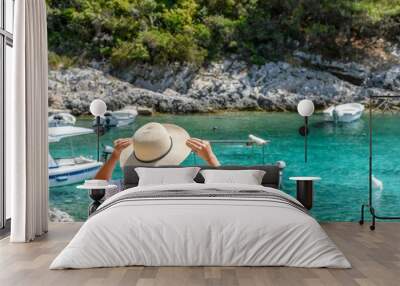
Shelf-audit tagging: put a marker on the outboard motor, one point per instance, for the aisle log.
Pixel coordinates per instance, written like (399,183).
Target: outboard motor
(281,165)
(106,122)
(101,130)
(58,119)
(335,115)
(107,151)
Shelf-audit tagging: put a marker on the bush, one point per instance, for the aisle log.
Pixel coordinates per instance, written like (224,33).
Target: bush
(59,62)
(126,53)
(160,31)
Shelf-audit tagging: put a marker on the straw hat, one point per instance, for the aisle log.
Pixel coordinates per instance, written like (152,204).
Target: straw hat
(156,144)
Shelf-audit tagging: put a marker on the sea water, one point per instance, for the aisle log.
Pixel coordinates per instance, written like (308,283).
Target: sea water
(338,153)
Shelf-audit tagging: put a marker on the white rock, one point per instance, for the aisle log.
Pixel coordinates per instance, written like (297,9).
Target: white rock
(56,215)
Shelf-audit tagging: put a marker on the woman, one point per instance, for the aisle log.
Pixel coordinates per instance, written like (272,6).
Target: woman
(156,144)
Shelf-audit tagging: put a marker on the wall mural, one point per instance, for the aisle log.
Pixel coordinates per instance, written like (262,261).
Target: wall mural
(224,71)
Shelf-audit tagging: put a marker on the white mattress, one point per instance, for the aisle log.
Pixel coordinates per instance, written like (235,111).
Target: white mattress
(192,231)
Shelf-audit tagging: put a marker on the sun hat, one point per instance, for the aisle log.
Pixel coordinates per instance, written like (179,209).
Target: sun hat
(96,185)
(156,144)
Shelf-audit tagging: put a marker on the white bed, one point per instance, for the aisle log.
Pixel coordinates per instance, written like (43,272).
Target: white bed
(185,230)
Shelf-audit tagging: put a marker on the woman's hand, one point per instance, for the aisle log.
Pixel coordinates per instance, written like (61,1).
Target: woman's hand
(203,149)
(105,172)
(119,145)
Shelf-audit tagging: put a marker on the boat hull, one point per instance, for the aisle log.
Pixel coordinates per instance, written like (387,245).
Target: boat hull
(347,118)
(125,122)
(61,119)
(68,175)
(117,119)
(344,113)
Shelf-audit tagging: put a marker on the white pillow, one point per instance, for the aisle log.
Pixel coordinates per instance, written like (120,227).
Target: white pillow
(247,177)
(166,176)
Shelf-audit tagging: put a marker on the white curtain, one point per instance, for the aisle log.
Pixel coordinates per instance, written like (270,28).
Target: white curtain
(26,131)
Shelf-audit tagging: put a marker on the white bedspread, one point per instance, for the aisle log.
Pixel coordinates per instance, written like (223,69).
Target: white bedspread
(192,231)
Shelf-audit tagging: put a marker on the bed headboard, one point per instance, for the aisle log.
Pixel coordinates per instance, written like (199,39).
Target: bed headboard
(270,179)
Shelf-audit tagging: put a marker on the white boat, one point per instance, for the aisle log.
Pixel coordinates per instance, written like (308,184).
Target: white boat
(61,119)
(125,116)
(60,132)
(348,112)
(117,118)
(66,171)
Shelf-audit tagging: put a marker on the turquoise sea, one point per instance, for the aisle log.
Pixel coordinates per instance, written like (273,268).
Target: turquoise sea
(337,153)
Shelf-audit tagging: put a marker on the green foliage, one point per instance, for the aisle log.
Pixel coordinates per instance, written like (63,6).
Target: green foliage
(59,62)
(223,33)
(125,32)
(126,52)
(377,10)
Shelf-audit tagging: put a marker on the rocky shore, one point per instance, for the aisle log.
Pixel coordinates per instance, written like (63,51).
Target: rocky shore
(226,85)
(56,215)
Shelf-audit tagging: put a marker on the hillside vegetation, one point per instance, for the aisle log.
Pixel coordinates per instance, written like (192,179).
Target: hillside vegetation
(125,32)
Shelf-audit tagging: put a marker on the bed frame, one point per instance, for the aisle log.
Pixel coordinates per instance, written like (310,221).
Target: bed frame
(272,177)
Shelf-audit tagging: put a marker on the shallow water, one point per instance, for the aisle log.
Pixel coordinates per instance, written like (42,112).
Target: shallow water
(337,153)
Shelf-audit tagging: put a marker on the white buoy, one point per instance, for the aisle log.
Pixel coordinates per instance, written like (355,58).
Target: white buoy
(281,164)
(108,149)
(257,140)
(376,183)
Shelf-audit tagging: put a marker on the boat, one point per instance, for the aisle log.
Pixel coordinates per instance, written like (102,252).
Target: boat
(118,118)
(61,119)
(347,112)
(125,117)
(55,134)
(67,171)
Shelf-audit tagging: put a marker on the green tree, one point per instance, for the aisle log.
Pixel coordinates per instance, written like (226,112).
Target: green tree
(125,32)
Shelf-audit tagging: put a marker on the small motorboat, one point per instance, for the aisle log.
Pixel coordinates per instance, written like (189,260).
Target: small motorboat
(348,112)
(117,118)
(125,117)
(61,119)
(67,171)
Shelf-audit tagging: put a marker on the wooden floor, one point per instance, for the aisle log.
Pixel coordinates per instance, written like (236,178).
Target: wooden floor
(375,257)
